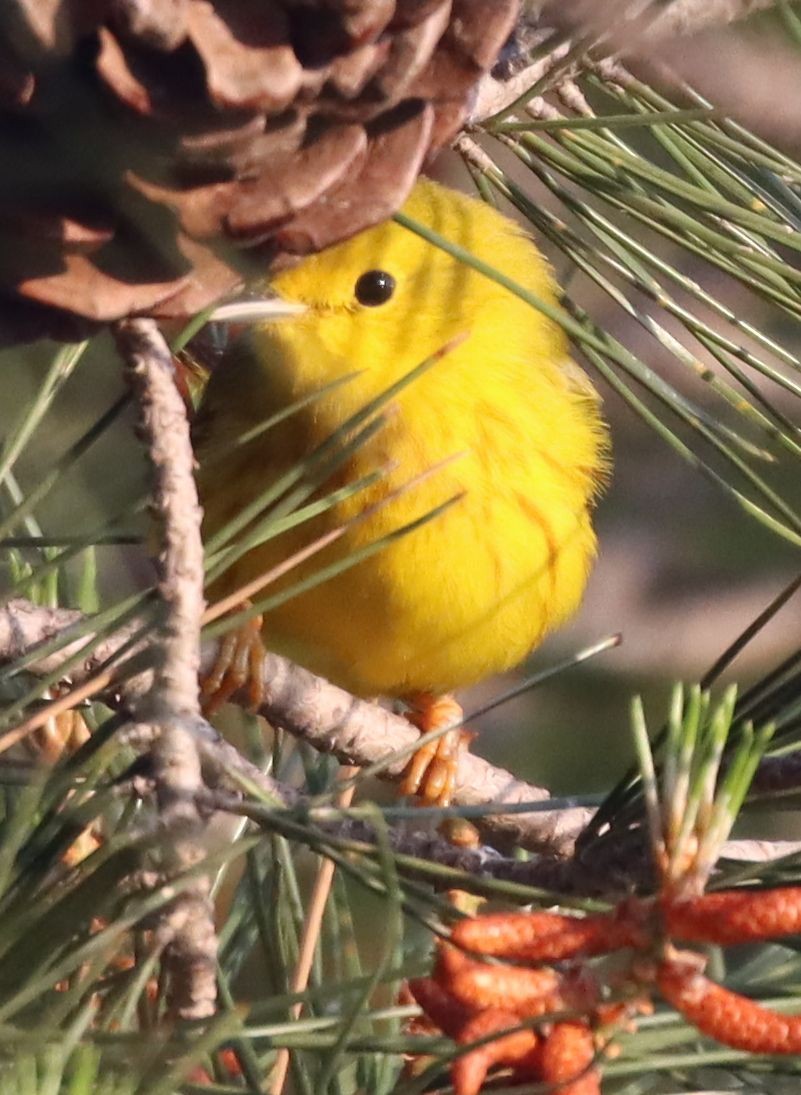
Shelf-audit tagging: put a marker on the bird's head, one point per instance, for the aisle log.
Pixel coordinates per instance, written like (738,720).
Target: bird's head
(387,299)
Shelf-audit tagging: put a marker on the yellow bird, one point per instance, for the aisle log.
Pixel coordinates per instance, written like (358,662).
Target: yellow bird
(505,421)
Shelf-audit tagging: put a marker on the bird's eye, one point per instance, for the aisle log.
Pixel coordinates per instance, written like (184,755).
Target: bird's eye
(374,288)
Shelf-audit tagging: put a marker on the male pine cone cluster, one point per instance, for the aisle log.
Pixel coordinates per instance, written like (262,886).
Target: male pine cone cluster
(150,146)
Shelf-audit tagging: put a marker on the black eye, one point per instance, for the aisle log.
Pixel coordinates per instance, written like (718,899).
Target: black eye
(375,287)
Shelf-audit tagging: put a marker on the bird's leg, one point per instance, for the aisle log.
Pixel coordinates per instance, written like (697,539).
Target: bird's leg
(238,663)
(431,773)
(61,736)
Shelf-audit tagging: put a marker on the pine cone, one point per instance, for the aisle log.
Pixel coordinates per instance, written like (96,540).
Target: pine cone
(154,150)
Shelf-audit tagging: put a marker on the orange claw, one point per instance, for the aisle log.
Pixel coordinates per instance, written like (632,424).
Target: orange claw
(469,1071)
(238,663)
(61,735)
(431,773)
(721,1014)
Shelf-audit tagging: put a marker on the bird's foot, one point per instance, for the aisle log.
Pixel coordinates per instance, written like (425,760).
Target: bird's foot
(431,773)
(62,734)
(238,663)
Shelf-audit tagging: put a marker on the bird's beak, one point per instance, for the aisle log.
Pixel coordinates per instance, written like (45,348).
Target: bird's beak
(257,310)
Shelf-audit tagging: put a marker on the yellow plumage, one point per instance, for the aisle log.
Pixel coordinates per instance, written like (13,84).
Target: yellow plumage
(473,591)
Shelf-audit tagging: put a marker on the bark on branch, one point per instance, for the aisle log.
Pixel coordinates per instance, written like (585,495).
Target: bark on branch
(169,707)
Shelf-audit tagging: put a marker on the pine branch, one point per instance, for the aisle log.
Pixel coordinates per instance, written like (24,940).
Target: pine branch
(361,733)
(169,708)
(328,718)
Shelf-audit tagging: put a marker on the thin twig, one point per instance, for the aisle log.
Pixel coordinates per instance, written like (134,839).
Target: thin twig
(309,937)
(171,704)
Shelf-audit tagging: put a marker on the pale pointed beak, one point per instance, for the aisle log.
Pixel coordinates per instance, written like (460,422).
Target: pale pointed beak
(259,310)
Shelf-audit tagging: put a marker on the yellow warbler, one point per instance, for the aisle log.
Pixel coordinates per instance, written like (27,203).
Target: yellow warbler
(504,420)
